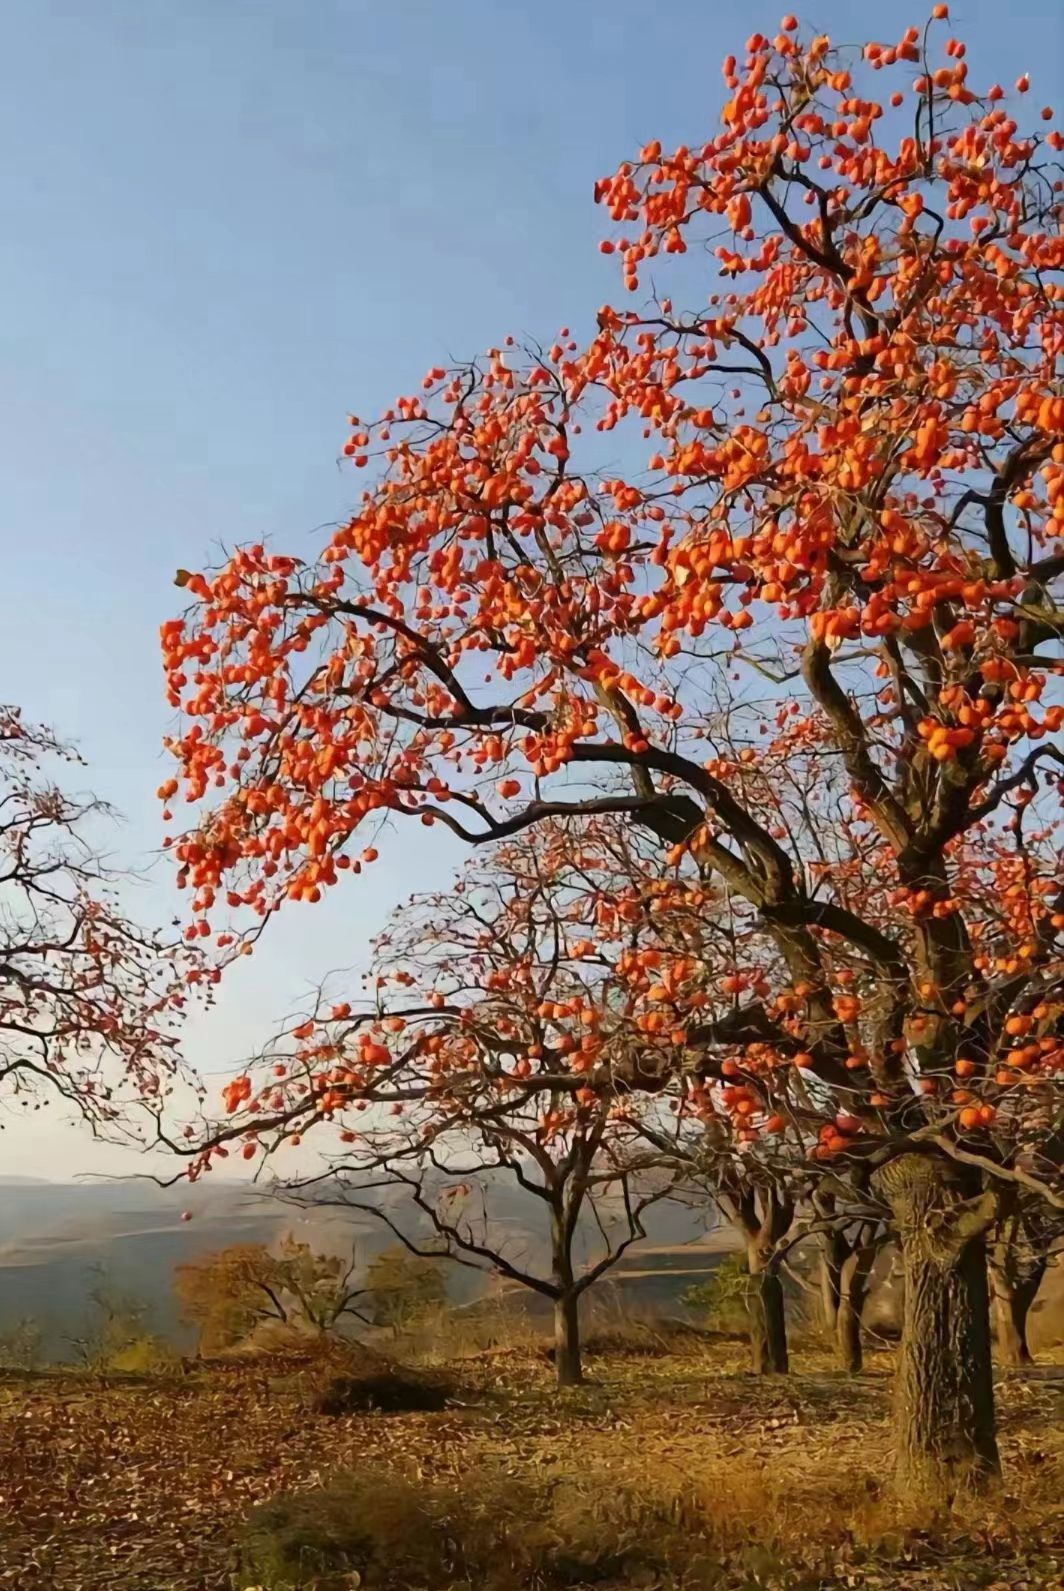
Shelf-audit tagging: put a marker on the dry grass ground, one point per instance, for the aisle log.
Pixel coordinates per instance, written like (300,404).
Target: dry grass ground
(676,1471)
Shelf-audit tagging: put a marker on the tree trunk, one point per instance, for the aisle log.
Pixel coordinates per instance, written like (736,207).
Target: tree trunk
(854,1274)
(944,1391)
(1013,1298)
(768,1319)
(848,1338)
(830,1279)
(763,1216)
(848,1321)
(1017,1265)
(567,1366)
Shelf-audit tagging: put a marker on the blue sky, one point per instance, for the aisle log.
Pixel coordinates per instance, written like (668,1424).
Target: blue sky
(226,225)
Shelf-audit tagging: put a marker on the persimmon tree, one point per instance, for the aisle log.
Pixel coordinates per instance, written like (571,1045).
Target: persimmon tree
(496,1027)
(853,484)
(590,1213)
(494,1053)
(761,1170)
(88,1000)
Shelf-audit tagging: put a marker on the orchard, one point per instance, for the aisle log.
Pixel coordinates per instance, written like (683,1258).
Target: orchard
(803,641)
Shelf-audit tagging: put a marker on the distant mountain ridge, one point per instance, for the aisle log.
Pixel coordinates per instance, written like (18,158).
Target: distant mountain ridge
(60,1240)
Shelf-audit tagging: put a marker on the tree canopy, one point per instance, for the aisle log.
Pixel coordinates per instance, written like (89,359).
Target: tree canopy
(89,1001)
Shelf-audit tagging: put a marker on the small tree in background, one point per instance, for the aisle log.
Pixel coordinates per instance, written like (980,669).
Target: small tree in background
(21,1345)
(226,1293)
(848,1255)
(402,1289)
(759,1200)
(763,1214)
(496,1053)
(229,1292)
(117,1321)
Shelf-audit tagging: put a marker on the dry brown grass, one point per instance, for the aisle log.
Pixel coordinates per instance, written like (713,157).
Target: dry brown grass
(647,1338)
(492,1325)
(820,1512)
(679,1472)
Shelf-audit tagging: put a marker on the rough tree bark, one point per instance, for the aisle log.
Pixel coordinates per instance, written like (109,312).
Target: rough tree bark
(944,1391)
(832,1255)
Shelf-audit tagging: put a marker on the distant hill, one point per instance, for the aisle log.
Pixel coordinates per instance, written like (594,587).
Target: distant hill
(60,1240)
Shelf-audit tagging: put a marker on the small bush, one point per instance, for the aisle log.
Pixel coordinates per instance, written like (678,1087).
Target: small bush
(403,1289)
(21,1346)
(492,1534)
(276,1340)
(721,1300)
(350,1378)
(380,1528)
(390,1390)
(144,1356)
